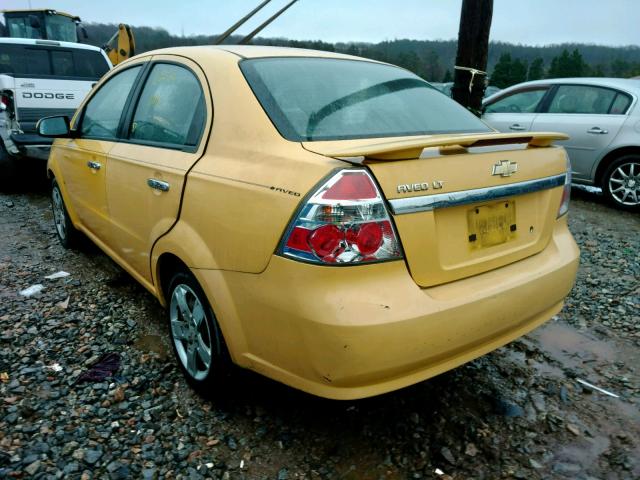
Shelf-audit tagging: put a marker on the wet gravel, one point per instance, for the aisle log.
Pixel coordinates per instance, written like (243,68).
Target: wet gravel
(516,413)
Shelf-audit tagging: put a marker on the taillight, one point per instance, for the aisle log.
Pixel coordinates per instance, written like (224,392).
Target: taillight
(566,192)
(4,102)
(344,222)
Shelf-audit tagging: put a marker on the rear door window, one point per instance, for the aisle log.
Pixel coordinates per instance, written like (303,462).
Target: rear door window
(171,109)
(585,99)
(102,113)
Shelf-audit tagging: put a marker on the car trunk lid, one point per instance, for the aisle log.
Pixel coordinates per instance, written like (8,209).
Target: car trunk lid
(464,204)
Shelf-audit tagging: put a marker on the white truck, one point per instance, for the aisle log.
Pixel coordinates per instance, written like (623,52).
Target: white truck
(40,78)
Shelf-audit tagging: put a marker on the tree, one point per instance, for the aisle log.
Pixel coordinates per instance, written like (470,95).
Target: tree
(568,65)
(473,49)
(536,69)
(502,72)
(448,77)
(518,73)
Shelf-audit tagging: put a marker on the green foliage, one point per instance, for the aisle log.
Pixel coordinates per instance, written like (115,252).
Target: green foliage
(448,76)
(536,69)
(568,65)
(508,72)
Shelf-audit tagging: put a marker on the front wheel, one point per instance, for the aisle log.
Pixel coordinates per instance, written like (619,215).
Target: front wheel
(196,337)
(621,183)
(67,233)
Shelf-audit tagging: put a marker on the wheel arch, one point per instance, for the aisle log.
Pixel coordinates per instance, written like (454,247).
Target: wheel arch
(168,263)
(611,157)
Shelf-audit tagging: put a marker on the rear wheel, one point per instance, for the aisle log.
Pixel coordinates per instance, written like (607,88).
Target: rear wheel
(621,183)
(67,233)
(195,334)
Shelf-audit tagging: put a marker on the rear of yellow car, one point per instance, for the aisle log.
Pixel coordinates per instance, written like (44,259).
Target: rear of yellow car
(434,241)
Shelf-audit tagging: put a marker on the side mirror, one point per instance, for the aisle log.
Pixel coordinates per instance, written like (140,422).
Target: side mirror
(53,126)
(82,32)
(34,22)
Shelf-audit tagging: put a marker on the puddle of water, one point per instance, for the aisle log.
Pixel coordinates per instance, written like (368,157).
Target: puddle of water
(152,344)
(572,347)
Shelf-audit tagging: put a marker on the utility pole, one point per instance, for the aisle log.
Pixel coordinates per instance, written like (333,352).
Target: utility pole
(473,47)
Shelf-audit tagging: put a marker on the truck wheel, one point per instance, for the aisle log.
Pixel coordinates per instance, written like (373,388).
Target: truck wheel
(196,337)
(8,169)
(621,183)
(67,233)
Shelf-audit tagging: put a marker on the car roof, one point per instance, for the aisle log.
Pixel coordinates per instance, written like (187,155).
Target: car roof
(250,51)
(48,43)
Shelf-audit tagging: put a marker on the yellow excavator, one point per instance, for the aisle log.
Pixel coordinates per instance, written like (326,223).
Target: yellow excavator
(48,24)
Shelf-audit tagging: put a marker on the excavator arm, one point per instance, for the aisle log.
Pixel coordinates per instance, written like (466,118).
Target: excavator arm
(121,45)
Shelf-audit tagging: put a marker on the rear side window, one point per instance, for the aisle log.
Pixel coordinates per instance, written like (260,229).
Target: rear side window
(620,104)
(171,108)
(519,102)
(332,99)
(37,61)
(582,99)
(102,114)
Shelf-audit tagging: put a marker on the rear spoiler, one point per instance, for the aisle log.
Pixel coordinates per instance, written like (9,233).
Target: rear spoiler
(411,147)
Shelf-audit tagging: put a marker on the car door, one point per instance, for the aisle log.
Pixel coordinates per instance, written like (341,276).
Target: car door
(83,159)
(147,169)
(590,115)
(515,111)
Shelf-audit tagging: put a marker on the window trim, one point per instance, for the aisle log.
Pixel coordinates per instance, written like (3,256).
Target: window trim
(539,107)
(77,127)
(132,105)
(617,92)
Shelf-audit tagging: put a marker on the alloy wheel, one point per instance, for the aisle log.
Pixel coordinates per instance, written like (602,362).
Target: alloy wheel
(59,213)
(624,184)
(190,331)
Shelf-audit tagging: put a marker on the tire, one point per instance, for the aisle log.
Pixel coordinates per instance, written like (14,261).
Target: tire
(621,183)
(8,170)
(196,338)
(67,233)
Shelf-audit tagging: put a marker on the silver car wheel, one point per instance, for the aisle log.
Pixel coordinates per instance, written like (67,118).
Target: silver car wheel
(624,184)
(190,331)
(59,213)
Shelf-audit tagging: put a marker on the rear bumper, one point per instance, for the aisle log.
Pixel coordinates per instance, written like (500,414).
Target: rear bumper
(32,145)
(354,332)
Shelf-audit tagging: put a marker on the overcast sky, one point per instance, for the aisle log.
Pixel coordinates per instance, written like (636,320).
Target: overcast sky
(532,22)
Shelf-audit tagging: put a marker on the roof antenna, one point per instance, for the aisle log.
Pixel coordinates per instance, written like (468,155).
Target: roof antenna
(236,25)
(249,37)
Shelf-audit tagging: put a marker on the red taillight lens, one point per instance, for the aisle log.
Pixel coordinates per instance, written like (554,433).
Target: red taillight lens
(566,192)
(345,221)
(325,240)
(353,186)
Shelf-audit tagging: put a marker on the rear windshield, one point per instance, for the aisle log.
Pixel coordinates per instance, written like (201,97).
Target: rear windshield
(52,62)
(333,99)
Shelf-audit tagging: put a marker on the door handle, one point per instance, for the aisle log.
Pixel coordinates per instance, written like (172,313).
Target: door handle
(597,131)
(94,165)
(516,126)
(158,184)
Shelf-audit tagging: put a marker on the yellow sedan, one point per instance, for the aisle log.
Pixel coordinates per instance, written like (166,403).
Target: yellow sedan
(331,222)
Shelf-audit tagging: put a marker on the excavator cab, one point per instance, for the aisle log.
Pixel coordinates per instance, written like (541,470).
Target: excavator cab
(43,25)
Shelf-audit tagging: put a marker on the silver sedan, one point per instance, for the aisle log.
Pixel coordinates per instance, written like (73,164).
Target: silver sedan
(602,118)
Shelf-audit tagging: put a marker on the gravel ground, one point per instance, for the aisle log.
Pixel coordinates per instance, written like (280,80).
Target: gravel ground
(516,413)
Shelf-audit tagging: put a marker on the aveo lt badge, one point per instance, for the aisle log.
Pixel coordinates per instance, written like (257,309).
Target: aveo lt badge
(417,187)
(504,168)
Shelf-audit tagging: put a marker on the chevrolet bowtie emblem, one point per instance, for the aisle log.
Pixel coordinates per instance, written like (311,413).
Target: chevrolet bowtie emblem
(504,168)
